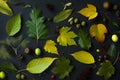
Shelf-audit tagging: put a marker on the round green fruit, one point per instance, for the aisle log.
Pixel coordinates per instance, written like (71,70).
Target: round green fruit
(2,75)
(22,76)
(114,38)
(18,76)
(37,51)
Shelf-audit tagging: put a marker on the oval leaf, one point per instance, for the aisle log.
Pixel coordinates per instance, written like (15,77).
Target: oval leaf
(63,15)
(84,41)
(83,57)
(4,8)
(13,25)
(39,65)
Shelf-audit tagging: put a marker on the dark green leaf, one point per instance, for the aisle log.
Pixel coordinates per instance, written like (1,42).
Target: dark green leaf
(63,15)
(8,67)
(84,41)
(63,67)
(4,53)
(36,27)
(112,51)
(106,70)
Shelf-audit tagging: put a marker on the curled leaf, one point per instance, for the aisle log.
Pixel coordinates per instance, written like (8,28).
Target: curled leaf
(5,9)
(90,11)
(63,15)
(83,57)
(13,25)
(50,47)
(66,37)
(39,65)
(98,31)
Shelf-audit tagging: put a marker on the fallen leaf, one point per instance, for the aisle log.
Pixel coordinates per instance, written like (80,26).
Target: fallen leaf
(50,47)
(5,9)
(66,37)
(83,57)
(98,31)
(90,11)
(106,70)
(37,66)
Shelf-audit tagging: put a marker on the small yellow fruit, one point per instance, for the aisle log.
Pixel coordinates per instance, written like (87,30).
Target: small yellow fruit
(2,75)
(98,50)
(37,51)
(114,38)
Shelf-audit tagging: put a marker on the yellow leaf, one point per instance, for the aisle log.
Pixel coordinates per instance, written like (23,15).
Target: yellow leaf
(98,31)
(4,8)
(50,47)
(66,37)
(83,57)
(90,11)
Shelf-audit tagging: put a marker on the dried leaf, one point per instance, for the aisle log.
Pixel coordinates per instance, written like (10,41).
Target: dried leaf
(66,37)
(83,57)
(50,47)
(98,31)
(90,11)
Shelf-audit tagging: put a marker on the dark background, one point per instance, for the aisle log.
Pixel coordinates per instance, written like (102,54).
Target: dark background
(58,5)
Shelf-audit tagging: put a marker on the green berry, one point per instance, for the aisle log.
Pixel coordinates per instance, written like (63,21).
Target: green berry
(114,38)
(83,23)
(77,25)
(98,50)
(71,22)
(76,20)
(37,51)
(18,76)
(22,76)
(2,75)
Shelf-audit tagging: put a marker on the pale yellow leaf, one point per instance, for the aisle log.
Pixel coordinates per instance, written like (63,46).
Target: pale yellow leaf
(84,57)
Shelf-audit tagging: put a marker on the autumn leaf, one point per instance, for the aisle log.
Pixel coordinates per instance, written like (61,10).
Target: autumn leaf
(5,9)
(83,57)
(98,31)
(90,11)
(50,47)
(106,70)
(66,37)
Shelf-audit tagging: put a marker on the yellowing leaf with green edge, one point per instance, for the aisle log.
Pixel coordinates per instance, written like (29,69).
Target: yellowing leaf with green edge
(90,11)
(83,57)
(50,47)
(5,9)
(66,37)
(39,65)
(98,31)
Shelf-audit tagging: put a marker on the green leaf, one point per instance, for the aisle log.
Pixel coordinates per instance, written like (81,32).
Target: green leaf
(5,9)
(63,15)
(83,57)
(39,65)
(8,67)
(112,51)
(36,27)
(84,41)
(13,26)
(66,37)
(63,68)
(4,53)
(106,70)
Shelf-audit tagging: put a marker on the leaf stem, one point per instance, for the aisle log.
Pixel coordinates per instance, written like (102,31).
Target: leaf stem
(116,59)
